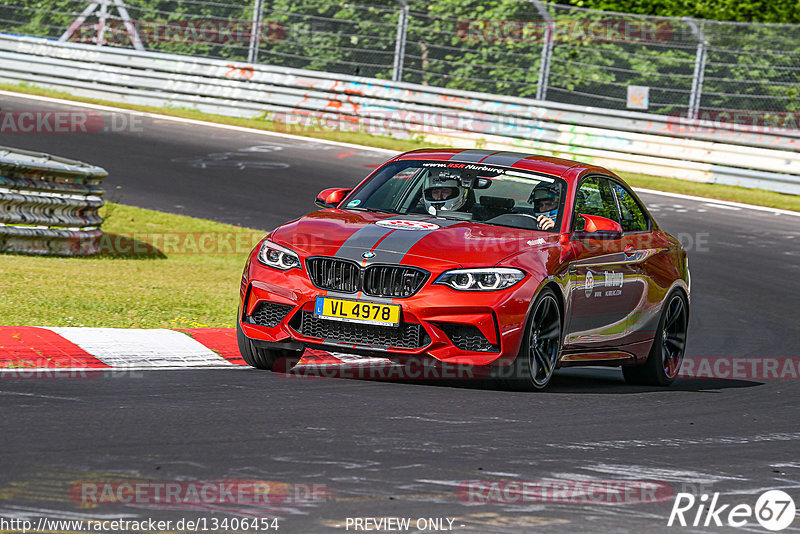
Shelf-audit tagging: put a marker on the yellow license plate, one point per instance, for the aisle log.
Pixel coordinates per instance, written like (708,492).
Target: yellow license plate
(357,312)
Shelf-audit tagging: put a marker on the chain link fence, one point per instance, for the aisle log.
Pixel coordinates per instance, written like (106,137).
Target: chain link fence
(719,70)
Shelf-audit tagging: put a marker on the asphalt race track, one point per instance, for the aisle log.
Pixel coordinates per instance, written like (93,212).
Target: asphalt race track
(353,448)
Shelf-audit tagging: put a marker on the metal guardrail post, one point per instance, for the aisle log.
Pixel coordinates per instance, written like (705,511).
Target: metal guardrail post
(547,50)
(255,31)
(400,44)
(699,68)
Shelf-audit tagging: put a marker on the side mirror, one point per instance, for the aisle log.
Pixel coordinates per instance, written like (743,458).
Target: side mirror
(330,198)
(597,227)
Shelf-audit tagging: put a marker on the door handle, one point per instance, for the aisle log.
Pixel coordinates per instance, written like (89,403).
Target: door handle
(629,250)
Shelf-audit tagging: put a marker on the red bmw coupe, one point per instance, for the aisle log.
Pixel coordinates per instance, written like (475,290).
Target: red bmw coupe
(513,262)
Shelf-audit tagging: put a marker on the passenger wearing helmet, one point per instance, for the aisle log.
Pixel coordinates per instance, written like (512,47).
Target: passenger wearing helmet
(545,197)
(443,192)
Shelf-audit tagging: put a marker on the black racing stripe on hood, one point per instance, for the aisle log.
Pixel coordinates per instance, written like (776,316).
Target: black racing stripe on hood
(367,236)
(401,241)
(505,159)
(472,156)
(394,241)
(362,240)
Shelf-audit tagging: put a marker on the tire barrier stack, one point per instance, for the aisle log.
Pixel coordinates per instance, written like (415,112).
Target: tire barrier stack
(49,205)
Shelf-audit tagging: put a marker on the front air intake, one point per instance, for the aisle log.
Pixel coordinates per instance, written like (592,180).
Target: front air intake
(334,274)
(393,280)
(345,276)
(269,314)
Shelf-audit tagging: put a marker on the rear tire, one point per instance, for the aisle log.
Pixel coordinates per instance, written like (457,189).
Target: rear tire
(538,356)
(666,355)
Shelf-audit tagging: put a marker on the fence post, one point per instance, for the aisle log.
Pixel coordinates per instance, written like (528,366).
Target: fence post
(400,44)
(101,23)
(255,31)
(699,69)
(547,50)
(129,25)
(102,16)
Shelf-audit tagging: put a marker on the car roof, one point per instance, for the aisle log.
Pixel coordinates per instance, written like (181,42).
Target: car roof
(516,160)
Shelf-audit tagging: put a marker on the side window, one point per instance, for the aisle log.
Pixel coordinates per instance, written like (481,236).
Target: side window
(594,197)
(633,217)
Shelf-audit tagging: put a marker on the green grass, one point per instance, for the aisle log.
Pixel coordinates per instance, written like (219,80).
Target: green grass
(758,197)
(723,192)
(182,287)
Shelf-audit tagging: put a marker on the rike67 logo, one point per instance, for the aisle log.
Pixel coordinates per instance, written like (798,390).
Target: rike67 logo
(774,510)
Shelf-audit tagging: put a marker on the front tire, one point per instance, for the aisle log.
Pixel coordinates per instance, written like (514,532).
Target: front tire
(278,360)
(666,355)
(255,357)
(538,356)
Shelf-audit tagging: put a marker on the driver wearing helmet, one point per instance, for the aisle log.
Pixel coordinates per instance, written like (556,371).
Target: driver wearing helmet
(444,192)
(545,197)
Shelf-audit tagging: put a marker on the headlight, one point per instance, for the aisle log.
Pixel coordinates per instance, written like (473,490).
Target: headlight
(483,279)
(278,257)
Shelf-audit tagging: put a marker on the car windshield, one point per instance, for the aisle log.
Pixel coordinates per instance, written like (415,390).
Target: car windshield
(474,192)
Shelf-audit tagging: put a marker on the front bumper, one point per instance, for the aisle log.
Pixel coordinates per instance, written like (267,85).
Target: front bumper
(470,328)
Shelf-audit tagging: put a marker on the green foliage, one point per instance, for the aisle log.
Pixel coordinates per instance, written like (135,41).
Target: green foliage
(334,36)
(781,11)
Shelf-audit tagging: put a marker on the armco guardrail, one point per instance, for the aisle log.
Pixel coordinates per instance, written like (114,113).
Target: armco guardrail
(623,141)
(48,204)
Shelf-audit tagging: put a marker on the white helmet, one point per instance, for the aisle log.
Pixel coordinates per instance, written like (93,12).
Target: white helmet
(443,191)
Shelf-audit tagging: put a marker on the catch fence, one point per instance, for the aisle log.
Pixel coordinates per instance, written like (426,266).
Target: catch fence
(723,71)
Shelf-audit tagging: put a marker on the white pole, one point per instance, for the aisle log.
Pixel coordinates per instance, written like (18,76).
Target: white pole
(400,43)
(255,31)
(699,69)
(101,23)
(547,50)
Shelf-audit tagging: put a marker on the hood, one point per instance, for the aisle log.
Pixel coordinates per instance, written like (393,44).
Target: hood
(406,239)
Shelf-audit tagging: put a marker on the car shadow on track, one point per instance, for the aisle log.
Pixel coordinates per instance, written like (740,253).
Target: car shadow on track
(593,380)
(604,380)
